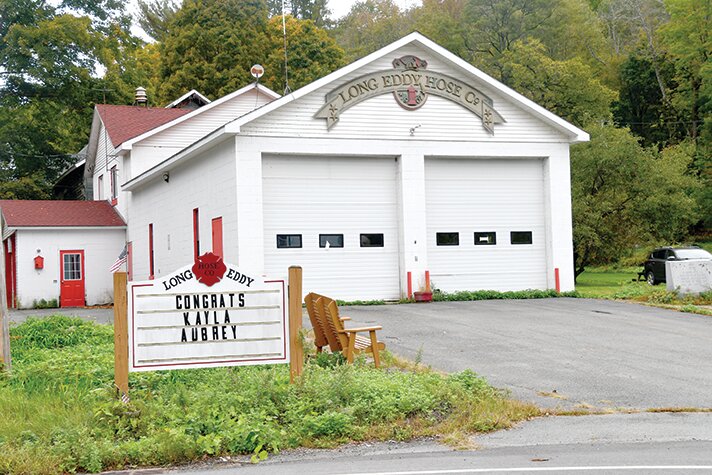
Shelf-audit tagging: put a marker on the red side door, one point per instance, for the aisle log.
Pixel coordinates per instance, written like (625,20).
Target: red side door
(10,274)
(71,288)
(218,237)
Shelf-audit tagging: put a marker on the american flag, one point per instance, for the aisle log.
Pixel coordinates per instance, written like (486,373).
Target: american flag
(119,261)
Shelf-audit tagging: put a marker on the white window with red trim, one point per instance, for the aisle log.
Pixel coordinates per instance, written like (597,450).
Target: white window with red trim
(114,185)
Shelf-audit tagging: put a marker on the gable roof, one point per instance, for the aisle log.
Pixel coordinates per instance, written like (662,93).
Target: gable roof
(127,145)
(573,133)
(58,213)
(126,122)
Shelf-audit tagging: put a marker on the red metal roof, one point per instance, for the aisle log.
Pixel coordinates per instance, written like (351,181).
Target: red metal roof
(126,122)
(22,213)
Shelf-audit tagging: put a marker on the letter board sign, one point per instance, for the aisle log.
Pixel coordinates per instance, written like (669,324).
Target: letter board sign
(207,315)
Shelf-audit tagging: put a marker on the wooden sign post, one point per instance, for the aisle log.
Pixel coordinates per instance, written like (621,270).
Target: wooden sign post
(5,360)
(296,352)
(208,315)
(121,336)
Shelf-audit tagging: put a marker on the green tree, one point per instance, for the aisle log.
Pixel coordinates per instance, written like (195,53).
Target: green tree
(370,25)
(641,105)
(688,38)
(624,194)
(671,211)
(566,28)
(212,45)
(568,88)
(32,187)
(154,16)
(50,58)
(311,51)
(314,10)
(442,21)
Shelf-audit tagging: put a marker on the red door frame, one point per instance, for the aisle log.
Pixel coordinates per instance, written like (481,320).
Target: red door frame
(10,270)
(151,262)
(217,236)
(63,290)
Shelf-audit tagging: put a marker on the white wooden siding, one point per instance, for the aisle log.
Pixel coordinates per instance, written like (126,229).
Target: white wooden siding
(189,131)
(333,195)
(480,195)
(207,184)
(382,118)
(107,158)
(144,157)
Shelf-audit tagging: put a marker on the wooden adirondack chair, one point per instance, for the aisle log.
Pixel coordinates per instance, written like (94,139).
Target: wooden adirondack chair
(320,340)
(323,333)
(347,340)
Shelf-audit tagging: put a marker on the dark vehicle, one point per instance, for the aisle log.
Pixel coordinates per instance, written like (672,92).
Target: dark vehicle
(654,267)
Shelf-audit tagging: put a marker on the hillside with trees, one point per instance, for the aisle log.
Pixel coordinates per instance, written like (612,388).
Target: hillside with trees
(636,74)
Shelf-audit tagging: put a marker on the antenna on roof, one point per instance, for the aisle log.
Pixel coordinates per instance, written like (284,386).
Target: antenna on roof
(287,90)
(257,71)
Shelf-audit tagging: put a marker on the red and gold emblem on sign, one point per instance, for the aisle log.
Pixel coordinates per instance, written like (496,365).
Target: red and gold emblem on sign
(209,269)
(410,98)
(411,94)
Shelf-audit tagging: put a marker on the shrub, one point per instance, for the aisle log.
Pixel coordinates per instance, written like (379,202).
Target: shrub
(465,295)
(59,331)
(42,303)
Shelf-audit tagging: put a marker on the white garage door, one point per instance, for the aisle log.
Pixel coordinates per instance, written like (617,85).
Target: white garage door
(347,203)
(486,224)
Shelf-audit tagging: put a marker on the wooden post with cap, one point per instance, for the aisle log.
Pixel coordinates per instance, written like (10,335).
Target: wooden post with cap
(121,335)
(296,352)
(5,360)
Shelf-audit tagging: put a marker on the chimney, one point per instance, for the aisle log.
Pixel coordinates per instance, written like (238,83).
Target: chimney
(141,99)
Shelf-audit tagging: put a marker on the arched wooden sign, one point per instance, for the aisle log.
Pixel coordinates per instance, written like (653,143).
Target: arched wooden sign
(411,84)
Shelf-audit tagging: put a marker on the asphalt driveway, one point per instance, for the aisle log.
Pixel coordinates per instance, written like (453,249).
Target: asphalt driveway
(560,352)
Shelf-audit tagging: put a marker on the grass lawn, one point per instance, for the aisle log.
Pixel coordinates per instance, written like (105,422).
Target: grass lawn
(622,284)
(706,245)
(597,283)
(59,412)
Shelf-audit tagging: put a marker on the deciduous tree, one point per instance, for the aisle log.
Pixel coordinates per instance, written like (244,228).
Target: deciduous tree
(212,45)
(569,88)
(370,25)
(311,51)
(314,10)
(51,59)
(624,194)
(155,16)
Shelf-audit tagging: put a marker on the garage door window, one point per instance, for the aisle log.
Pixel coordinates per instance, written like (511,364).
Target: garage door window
(521,237)
(331,240)
(447,239)
(288,241)
(372,240)
(485,239)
